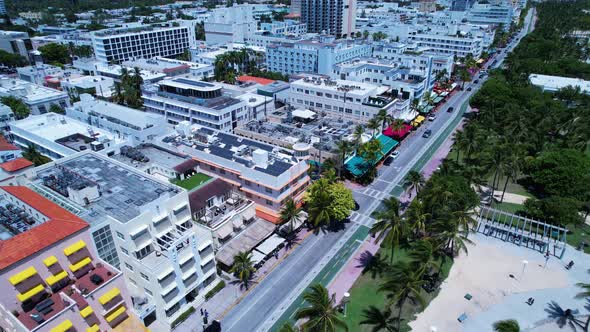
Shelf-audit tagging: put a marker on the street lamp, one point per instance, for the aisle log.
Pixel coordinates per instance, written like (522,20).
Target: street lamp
(524,264)
(345,300)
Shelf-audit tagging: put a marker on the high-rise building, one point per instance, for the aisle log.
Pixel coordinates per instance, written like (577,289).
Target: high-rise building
(461,5)
(2,8)
(295,7)
(333,17)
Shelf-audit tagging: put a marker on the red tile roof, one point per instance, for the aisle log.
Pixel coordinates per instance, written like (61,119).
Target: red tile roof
(5,146)
(16,164)
(259,80)
(60,225)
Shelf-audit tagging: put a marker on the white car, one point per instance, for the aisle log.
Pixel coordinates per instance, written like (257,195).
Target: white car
(431,118)
(395,154)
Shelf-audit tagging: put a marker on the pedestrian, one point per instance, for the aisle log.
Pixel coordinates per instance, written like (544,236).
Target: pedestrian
(546,258)
(201,311)
(206,313)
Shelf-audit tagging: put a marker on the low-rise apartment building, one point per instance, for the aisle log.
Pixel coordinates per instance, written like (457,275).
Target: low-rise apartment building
(492,14)
(16,42)
(167,262)
(50,276)
(354,100)
(126,123)
(263,173)
(37,98)
(455,45)
(189,99)
(313,55)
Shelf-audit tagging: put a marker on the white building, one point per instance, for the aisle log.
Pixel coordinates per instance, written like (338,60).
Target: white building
(188,99)
(492,14)
(57,136)
(116,45)
(313,56)
(95,85)
(37,98)
(168,263)
(554,83)
(350,99)
(93,67)
(230,25)
(424,60)
(15,42)
(457,45)
(6,116)
(329,16)
(126,123)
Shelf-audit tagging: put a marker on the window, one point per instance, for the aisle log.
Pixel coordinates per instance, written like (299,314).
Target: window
(268,190)
(144,276)
(141,253)
(120,235)
(129,267)
(133,282)
(268,202)
(125,251)
(148,292)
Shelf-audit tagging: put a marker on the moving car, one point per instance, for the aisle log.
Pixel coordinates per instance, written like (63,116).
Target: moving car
(356,206)
(451,109)
(469,89)
(476,81)
(427,133)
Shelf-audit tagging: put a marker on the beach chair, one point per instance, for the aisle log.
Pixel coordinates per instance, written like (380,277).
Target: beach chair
(468,297)
(462,318)
(530,301)
(569,265)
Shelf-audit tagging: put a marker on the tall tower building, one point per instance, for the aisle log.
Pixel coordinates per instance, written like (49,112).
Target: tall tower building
(461,5)
(2,7)
(334,17)
(295,7)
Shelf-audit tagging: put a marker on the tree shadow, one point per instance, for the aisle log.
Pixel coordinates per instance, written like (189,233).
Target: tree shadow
(373,264)
(244,285)
(564,317)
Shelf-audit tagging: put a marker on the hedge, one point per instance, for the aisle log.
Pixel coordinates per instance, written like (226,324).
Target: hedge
(183,316)
(215,290)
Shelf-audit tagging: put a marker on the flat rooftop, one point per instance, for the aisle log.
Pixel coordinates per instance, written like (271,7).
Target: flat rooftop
(120,114)
(352,87)
(124,192)
(549,82)
(27,91)
(155,154)
(155,65)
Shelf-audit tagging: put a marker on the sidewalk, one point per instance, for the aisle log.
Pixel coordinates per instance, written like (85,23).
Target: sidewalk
(348,275)
(220,304)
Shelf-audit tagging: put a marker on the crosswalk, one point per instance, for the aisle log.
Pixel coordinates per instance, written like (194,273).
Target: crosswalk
(373,193)
(361,219)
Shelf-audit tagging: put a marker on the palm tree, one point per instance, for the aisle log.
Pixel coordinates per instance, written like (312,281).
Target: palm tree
(454,238)
(372,263)
(464,76)
(417,216)
(290,213)
(427,99)
(380,320)
(507,325)
(357,136)
(397,125)
(321,312)
(465,220)
(390,227)
(33,155)
(403,283)
(415,105)
(243,268)
(288,327)
(319,202)
(384,118)
(459,142)
(422,256)
(415,181)
(371,151)
(512,171)
(441,76)
(343,149)
(374,125)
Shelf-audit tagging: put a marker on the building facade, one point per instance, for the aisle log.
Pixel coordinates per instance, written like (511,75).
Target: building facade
(337,18)
(37,98)
(16,42)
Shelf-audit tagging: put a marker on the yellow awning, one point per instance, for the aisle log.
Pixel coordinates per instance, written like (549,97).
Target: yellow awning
(50,261)
(419,119)
(30,293)
(106,297)
(93,328)
(74,248)
(86,312)
(63,327)
(53,279)
(115,314)
(80,264)
(22,276)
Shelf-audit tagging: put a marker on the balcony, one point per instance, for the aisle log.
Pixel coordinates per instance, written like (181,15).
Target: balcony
(217,214)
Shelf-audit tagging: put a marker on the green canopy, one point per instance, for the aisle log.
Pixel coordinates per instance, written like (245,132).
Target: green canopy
(438,100)
(357,165)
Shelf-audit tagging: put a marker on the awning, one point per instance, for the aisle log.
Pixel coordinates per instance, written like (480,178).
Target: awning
(224,231)
(189,273)
(303,114)
(50,261)
(400,133)
(438,100)
(30,293)
(186,166)
(387,144)
(257,257)
(63,326)
(80,264)
(52,280)
(115,314)
(108,296)
(74,248)
(22,276)
(93,328)
(444,93)
(296,224)
(427,109)
(166,272)
(237,222)
(244,241)
(86,312)
(168,290)
(269,244)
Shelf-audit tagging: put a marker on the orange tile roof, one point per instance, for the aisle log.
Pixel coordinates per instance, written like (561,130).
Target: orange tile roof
(16,164)
(60,225)
(6,146)
(259,80)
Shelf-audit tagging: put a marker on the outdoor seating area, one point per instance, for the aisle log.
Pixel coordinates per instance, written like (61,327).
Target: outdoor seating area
(246,240)
(42,311)
(94,278)
(267,249)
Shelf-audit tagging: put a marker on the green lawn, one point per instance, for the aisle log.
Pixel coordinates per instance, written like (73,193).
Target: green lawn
(365,292)
(577,235)
(508,207)
(192,182)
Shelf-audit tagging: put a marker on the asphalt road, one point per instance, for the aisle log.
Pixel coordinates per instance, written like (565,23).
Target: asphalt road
(270,299)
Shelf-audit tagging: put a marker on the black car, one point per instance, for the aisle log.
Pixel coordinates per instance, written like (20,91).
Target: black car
(427,133)
(388,161)
(451,109)
(469,89)
(356,206)
(476,81)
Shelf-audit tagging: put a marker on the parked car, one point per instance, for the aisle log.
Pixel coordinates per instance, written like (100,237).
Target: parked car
(395,154)
(476,81)
(356,206)
(469,89)
(427,133)
(431,118)
(451,109)
(388,161)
